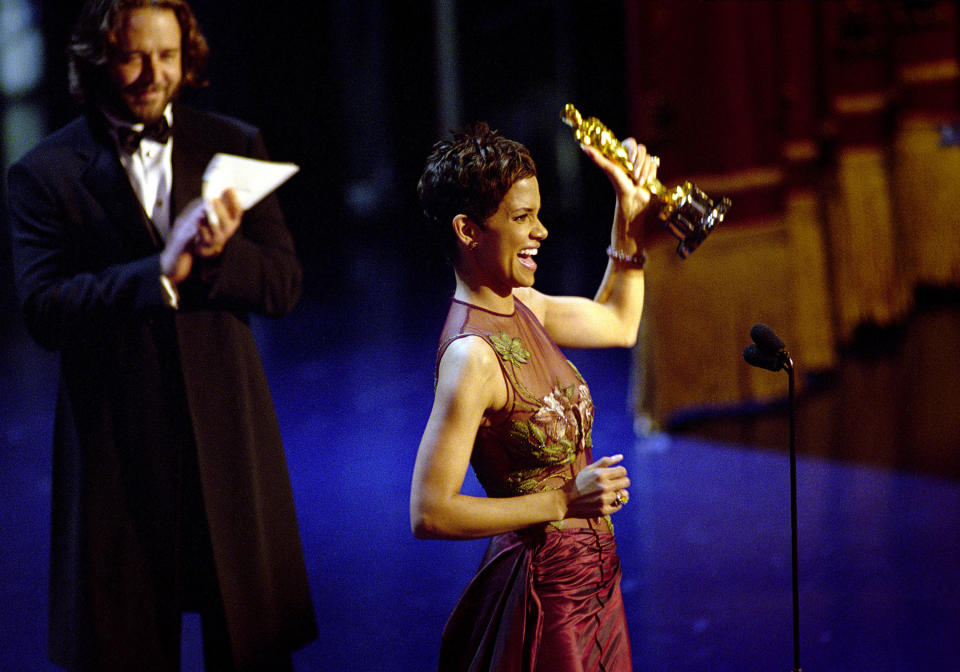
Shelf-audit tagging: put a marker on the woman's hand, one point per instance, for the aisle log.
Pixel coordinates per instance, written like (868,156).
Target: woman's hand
(598,490)
(632,196)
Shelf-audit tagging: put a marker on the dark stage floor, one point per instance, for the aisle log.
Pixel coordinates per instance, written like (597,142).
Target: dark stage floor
(705,540)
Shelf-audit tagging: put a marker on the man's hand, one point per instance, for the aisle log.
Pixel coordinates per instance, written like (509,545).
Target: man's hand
(193,233)
(176,260)
(214,232)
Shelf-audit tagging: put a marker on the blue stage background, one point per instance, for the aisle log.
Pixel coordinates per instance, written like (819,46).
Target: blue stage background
(347,89)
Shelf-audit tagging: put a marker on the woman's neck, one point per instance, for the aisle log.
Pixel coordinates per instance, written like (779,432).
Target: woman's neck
(482,296)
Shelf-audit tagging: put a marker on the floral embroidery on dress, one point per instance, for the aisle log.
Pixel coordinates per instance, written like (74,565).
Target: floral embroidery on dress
(510,349)
(551,438)
(557,417)
(556,430)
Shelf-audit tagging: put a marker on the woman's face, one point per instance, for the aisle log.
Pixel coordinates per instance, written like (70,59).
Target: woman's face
(509,240)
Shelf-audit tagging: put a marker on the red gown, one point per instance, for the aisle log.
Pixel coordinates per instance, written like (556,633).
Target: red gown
(545,599)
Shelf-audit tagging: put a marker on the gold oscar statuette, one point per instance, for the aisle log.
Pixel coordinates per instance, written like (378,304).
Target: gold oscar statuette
(686,211)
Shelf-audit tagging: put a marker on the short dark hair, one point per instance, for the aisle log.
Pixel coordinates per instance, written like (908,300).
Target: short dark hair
(94,35)
(470,175)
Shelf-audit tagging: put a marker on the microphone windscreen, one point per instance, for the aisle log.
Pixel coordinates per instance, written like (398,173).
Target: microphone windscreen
(764,337)
(765,360)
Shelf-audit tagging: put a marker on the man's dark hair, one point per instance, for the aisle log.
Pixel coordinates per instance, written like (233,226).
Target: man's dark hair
(470,175)
(95,35)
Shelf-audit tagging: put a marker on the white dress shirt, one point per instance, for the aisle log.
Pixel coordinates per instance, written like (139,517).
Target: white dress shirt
(150,169)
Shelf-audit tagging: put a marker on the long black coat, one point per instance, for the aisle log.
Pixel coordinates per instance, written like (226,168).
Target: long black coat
(138,378)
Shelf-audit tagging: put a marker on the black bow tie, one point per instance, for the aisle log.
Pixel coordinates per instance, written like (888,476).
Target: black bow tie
(158,131)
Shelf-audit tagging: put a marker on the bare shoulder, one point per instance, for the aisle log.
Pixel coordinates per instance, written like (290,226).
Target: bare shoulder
(468,357)
(537,302)
(470,374)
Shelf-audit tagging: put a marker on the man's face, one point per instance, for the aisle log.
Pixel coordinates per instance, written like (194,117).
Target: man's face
(145,62)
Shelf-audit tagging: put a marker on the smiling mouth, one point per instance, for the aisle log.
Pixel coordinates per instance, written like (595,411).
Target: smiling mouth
(149,91)
(145,94)
(526,256)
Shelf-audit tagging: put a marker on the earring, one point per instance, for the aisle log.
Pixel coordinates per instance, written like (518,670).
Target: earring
(474,244)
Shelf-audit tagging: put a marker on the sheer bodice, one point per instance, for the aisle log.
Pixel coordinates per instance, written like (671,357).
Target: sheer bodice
(542,436)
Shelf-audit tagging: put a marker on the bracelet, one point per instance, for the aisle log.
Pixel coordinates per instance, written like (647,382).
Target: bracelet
(634,261)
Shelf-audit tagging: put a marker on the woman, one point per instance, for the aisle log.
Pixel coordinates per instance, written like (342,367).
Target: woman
(547,595)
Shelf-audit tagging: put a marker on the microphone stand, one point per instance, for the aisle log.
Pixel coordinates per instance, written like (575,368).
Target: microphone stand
(788,365)
(768,353)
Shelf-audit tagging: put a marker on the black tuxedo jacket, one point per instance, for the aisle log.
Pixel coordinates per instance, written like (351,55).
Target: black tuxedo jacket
(140,381)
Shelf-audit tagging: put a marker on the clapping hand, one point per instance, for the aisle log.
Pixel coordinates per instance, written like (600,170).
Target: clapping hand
(197,233)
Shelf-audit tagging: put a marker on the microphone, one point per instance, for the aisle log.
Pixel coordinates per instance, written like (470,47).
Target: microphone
(768,351)
(764,337)
(765,360)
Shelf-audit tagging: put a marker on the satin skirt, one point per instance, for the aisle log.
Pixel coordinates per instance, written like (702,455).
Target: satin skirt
(541,602)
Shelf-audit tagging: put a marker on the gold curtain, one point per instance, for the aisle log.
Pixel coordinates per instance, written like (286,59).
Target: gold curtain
(925,151)
(824,123)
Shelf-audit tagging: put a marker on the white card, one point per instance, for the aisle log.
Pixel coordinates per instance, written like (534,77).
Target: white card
(251,179)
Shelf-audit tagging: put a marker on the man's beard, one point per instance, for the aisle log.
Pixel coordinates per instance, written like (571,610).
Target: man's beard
(124,103)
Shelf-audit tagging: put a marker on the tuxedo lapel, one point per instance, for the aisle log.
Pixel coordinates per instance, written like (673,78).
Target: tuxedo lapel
(110,186)
(190,156)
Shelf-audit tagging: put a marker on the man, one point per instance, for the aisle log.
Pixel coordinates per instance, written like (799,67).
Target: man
(170,485)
